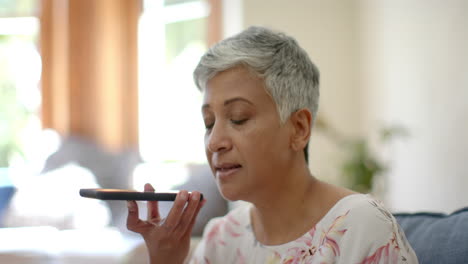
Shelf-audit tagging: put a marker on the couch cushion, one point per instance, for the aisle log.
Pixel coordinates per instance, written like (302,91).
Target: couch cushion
(437,238)
(6,192)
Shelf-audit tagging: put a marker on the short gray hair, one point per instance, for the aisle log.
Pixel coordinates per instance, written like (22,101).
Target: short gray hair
(290,76)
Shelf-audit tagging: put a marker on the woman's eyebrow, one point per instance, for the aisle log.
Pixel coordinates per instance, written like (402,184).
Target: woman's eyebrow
(229,101)
(235,99)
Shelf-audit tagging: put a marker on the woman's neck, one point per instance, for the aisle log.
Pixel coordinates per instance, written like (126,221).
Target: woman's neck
(292,208)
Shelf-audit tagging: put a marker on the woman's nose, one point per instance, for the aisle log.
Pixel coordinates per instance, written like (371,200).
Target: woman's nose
(218,140)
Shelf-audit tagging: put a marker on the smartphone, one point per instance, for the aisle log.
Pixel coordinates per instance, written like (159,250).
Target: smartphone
(128,195)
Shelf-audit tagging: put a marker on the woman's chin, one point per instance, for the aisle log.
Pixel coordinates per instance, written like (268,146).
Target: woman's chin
(230,194)
(232,197)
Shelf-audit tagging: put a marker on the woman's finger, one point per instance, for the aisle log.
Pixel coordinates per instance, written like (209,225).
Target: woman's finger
(188,232)
(176,211)
(189,212)
(153,208)
(133,220)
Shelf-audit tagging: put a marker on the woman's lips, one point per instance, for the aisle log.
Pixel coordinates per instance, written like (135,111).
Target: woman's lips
(223,172)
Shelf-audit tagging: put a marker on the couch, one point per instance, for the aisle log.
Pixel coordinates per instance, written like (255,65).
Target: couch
(437,238)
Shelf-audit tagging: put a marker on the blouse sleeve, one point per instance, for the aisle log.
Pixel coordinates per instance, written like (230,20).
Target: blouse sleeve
(373,236)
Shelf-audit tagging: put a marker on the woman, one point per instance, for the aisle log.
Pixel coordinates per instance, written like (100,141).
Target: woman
(261,96)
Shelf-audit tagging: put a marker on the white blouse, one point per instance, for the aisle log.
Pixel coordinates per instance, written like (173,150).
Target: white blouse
(357,229)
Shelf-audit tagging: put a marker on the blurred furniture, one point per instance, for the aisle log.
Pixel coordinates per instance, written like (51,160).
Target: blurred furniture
(437,238)
(46,221)
(50,245)
(112,170)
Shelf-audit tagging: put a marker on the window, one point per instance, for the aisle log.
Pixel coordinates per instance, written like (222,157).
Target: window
(20,70)
(172,38)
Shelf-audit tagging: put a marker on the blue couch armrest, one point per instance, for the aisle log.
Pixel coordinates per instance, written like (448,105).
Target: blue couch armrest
(437,238)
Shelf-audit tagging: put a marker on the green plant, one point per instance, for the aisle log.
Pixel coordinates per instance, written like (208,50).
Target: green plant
(361,164)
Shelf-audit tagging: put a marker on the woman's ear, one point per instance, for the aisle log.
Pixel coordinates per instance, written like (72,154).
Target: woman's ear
(301,121)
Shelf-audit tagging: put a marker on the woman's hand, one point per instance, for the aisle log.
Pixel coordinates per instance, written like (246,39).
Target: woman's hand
(167,240)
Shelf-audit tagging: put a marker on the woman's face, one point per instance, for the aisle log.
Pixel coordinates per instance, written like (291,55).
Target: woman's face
(246,145)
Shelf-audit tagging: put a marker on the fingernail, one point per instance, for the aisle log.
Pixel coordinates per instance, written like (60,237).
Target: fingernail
(183,195)
(195,196)
(130,206)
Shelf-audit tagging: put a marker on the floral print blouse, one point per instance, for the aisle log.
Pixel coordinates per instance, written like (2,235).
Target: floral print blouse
(357,229)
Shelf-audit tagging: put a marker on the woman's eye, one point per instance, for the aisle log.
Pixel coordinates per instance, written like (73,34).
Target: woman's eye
(238,122)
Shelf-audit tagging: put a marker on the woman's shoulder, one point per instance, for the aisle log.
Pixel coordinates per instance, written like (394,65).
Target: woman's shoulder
(360,216)
(365,229)
(358,207)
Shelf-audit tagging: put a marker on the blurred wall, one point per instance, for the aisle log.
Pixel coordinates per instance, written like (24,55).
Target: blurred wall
(385,62)
(415,65)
